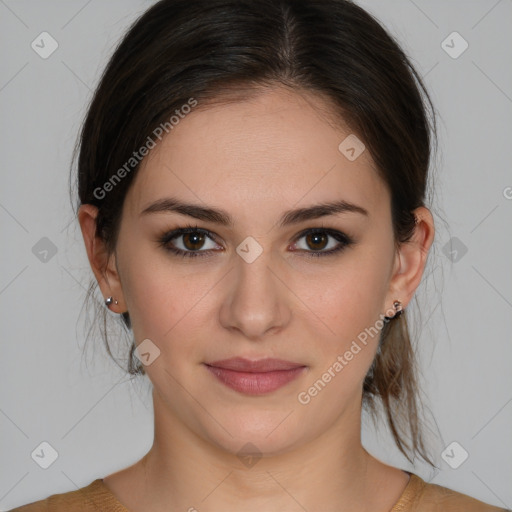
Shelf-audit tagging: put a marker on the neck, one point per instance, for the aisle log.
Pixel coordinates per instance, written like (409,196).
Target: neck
(330,472)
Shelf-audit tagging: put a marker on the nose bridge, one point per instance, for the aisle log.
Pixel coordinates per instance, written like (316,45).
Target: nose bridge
(257,303)
(254,269)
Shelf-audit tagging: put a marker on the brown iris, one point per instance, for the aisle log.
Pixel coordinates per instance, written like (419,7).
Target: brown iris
(196,240)
(317,239)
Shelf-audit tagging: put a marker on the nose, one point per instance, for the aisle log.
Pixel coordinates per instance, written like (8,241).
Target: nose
(257,301)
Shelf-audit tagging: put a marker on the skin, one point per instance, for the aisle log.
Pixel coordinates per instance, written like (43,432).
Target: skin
(256,159)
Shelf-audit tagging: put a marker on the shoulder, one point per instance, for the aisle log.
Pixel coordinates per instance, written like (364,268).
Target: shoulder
(90,498)
(436,498)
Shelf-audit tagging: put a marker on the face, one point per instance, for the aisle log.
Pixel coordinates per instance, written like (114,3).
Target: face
(263,285)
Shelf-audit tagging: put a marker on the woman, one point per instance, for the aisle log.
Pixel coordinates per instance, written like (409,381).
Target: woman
(252,180)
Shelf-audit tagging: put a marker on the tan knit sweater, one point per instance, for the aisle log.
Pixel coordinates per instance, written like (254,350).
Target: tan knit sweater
(418,496)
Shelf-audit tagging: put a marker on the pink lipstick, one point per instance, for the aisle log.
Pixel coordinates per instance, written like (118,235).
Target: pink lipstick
(255,377)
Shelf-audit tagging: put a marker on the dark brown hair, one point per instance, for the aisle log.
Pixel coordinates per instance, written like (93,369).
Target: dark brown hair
(204,49)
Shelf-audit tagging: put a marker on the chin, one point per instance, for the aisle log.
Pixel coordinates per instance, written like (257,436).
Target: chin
(264,433)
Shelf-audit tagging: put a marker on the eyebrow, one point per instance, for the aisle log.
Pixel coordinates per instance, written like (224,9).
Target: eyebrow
(221,217)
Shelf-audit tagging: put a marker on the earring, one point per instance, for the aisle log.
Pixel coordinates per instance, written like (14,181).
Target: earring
(398,310)
(109,301)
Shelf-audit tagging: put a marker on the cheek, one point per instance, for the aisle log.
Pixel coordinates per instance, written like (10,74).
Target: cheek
(349,305)
(345,298)
(167,303)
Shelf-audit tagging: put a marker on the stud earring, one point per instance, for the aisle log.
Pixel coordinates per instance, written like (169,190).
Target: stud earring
(109,301)
(398,310)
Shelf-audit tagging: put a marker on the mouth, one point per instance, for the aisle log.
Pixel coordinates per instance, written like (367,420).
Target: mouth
(255,377)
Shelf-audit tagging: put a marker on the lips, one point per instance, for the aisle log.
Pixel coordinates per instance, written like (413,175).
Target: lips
(255,377)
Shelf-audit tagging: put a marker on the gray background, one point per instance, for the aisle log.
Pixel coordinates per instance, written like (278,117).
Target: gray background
(87,409)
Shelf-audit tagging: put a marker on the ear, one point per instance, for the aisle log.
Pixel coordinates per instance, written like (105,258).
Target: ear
(410,260)
(103,265)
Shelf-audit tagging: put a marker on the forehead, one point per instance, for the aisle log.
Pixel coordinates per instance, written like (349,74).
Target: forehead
(275,148)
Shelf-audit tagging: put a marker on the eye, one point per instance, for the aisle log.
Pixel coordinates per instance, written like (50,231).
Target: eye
(190,242)
(319,239)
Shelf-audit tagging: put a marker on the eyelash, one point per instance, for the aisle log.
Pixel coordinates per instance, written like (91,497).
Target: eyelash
(164,240)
